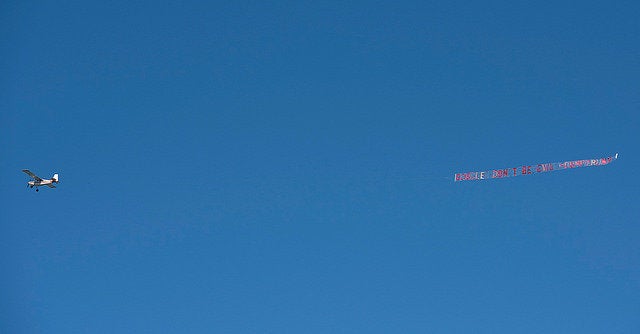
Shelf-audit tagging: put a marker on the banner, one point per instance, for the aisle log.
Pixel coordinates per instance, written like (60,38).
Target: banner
(531,169)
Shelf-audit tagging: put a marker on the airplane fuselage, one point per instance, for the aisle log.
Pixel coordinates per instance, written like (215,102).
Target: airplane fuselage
(41,183)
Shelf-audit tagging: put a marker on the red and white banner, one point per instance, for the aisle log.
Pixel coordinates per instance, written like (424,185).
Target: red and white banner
(532,169)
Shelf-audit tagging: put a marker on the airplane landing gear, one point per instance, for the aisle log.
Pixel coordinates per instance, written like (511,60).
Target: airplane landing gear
(37,189)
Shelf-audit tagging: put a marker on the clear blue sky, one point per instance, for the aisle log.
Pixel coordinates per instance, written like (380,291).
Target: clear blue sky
(247,167)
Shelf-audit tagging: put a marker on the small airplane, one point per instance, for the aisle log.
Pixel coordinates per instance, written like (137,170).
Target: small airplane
(37,181)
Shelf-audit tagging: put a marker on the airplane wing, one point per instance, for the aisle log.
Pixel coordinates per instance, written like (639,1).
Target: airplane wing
(34,176)
(50,185)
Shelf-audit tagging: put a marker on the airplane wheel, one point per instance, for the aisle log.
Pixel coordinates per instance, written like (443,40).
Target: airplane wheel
(37,189)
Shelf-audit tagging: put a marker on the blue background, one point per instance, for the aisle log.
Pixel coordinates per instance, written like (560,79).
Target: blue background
(247,167)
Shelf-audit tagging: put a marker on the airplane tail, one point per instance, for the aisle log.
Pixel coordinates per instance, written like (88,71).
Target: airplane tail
(55,177)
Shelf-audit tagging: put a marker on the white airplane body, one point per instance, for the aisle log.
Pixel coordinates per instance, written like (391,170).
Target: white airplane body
(37,181)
